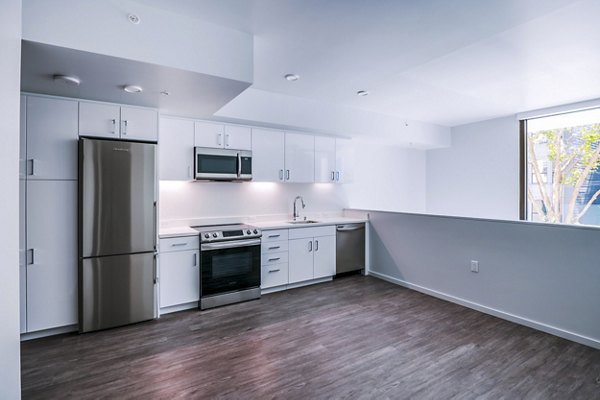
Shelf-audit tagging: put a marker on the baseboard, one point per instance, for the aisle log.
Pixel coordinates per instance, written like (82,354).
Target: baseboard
(492,311)
(178,307)
(48,332)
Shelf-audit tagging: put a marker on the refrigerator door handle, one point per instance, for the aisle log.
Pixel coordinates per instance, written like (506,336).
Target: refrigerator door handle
(154,226)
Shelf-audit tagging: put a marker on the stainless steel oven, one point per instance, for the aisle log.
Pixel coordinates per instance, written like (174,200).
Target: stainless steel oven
(229,264)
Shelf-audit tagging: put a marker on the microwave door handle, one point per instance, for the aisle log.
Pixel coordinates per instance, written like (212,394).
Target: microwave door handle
(239,165)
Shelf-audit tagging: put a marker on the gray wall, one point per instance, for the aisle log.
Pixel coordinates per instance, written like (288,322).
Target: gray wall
(10,43)
(544,276)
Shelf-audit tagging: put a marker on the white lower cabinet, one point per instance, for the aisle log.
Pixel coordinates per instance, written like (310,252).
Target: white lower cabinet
(22,263)
(179,279)
(274,259)
(301,260)
(290,256)
(324,256)
(51,254)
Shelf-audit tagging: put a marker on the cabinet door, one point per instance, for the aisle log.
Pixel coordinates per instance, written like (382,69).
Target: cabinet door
(324,159)
(176,149)
(52,254)
(344,160)
(139,124)
(51,138)
(324,259)
(179,278)
(99,120)
(299,158)
(22,262)
(208,135)
(23,139)
(267,155)
(238,137)
(300,262)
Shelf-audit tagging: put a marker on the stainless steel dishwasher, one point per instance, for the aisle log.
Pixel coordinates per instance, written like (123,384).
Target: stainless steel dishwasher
(350,248)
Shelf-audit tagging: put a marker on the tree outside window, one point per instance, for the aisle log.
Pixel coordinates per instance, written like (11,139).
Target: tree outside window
(563,174)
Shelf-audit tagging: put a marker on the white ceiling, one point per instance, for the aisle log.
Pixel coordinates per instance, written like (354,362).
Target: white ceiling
(438,61)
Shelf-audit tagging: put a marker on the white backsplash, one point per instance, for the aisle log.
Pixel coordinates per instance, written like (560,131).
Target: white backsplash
(189,203)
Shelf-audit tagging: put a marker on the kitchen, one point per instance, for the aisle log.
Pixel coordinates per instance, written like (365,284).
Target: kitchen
(390,171)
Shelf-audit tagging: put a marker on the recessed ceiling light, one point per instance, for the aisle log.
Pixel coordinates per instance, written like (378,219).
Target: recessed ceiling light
(291,77)
(362,93)
(67,79)
(134,19)
(132,89)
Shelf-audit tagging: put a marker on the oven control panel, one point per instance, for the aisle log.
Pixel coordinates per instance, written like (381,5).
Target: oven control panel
(220,233)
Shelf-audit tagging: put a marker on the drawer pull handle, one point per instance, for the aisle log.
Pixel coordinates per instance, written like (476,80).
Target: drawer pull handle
(274,247)
(274,236)
(178,244)
(275,259)
(274,270)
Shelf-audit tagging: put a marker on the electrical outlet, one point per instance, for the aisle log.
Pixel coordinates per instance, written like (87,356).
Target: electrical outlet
(474,266)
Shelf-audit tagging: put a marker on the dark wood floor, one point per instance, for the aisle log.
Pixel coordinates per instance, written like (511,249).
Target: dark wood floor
(355,338)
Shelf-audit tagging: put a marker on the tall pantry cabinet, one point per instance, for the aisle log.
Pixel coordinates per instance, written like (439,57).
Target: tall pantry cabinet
(48,237)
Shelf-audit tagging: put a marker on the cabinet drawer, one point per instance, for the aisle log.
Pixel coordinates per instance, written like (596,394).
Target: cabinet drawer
(274,258)
(300,233)
(179,243)
(271,247)
(274,235)
(274,275)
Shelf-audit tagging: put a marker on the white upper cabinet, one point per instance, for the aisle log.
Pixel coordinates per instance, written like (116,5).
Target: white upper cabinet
(176,149)
(23,139)
(324,159)
(113,121)
(238,137)
(51,138)
(299,158)
(139,124)
(208,134)
(268,155)
(344,160)
(99,120)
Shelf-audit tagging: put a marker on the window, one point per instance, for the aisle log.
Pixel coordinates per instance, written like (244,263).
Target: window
(560,160)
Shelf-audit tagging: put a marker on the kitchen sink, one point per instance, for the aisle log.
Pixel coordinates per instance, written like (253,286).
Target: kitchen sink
(303,221)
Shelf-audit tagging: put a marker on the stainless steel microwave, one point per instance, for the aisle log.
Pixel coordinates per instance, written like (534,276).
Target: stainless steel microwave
(222,164)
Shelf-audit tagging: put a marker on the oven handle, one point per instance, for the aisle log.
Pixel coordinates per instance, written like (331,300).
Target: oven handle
(230,245)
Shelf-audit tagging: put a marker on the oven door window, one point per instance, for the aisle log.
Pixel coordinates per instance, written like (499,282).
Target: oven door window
(227,270)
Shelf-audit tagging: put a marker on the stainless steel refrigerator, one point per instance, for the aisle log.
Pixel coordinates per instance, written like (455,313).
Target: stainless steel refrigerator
(117,233)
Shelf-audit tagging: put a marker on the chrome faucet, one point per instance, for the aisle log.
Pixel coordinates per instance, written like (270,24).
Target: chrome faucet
(296,214)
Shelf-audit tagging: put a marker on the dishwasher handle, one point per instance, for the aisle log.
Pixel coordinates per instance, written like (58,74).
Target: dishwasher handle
(347,228)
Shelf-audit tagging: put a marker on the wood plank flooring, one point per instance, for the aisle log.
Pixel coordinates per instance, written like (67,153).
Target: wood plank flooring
(355,338)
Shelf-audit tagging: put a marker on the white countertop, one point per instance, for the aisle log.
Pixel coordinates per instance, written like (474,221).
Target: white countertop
(174,231)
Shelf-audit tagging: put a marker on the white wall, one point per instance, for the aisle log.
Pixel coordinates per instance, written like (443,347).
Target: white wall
(190,200)
(385,178)
(162,37)
(10,64)
(478,176)
(544,276)
(388,178)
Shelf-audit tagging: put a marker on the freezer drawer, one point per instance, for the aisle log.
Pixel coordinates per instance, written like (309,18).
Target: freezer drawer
(116,290)
(350,248)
